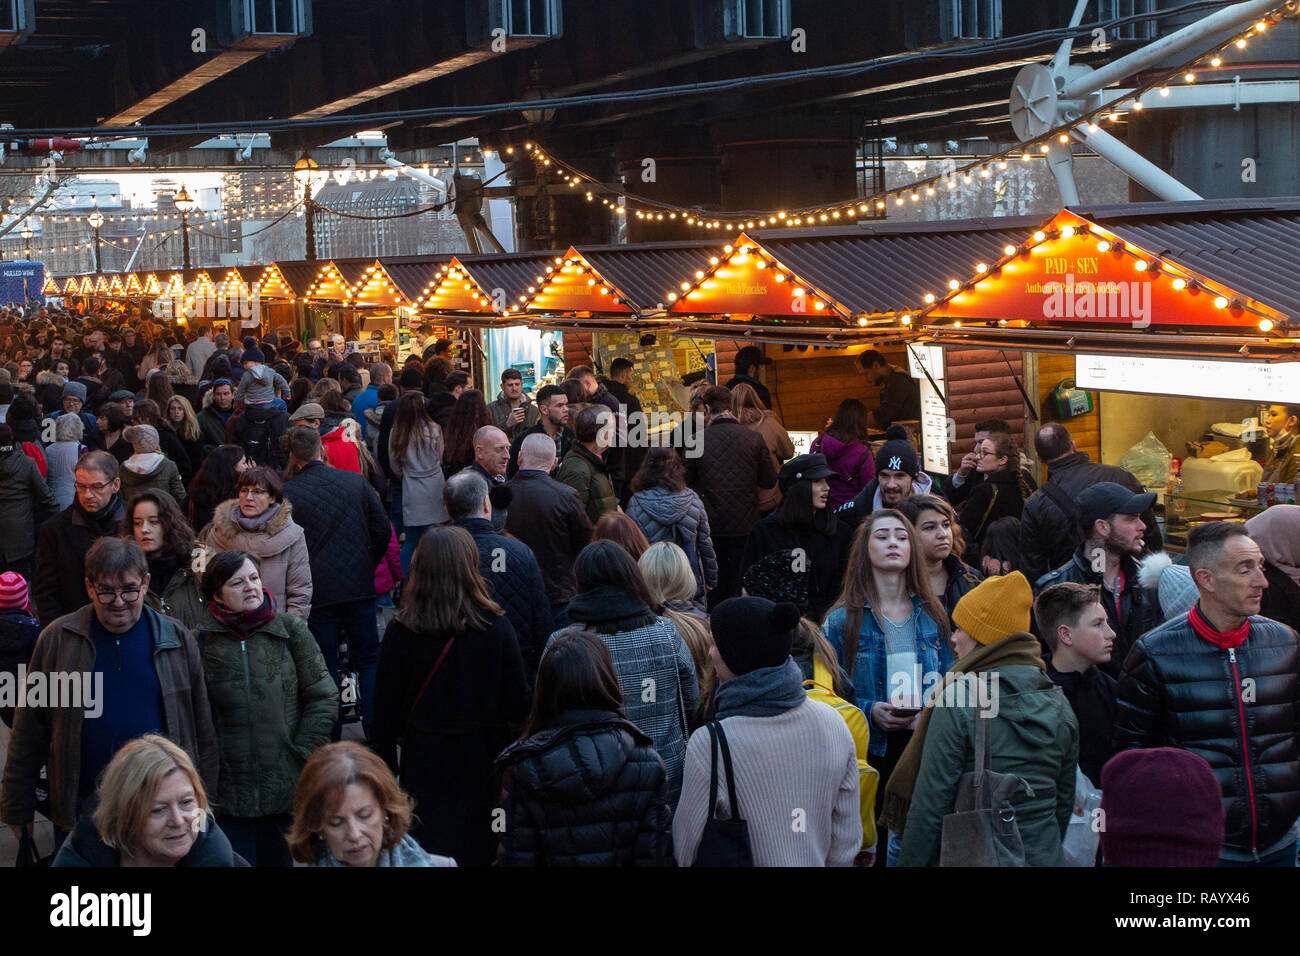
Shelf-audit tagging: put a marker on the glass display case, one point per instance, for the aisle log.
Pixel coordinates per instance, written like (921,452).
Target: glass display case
(1185,511)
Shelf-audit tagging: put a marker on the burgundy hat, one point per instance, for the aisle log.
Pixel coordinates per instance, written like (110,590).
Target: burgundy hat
(1163,807)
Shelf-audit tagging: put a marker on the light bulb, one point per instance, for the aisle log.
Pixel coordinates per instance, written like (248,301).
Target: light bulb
(954,285)
(1266,325)
(1220,302)
(1009,249)
(1189,77)
(1103,246)
(981,267)
(928,297)
(1164,91)
(1025,157)
(1241,44)
(1216,62)
(1137,105)
(1043,148)
(1180,284)
(1039,236)
(1140,265)
(1063,139)
(1067,232)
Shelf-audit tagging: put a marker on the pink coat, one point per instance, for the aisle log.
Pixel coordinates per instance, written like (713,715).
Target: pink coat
(389,571)
(852,461)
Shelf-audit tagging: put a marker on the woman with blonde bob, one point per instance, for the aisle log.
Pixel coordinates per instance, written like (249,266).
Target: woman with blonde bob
(671,583)
(349,811)
(152,812)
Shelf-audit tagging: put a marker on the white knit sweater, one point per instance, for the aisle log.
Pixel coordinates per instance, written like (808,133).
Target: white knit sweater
(796,782)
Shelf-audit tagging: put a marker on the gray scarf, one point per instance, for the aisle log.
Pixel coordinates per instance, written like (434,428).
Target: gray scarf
(260,522)
(407,853)
(763,692)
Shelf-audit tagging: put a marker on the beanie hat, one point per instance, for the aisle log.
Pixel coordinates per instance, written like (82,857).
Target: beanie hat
(13,590)
(753,632)
(996,608)
(221,367)
(1163,807)
(253,354)
(248,341)
(1173,584)
(142,438)
(898,455)
(75,390)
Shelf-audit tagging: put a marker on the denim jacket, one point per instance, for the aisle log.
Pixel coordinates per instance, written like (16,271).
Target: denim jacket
(870,681)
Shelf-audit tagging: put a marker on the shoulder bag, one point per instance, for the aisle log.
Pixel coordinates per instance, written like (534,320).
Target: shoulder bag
(982,830)
(724,842)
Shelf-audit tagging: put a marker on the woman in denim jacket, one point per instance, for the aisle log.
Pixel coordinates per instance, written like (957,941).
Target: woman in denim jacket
(890,632)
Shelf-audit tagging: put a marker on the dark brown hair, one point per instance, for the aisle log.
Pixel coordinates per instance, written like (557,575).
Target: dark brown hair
(444,593)
(576,673)
(662,468)
(263,478)
(623,531)
(178,536)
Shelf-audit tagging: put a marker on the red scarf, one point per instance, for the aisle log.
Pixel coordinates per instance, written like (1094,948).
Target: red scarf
(1223,639)
(244,623)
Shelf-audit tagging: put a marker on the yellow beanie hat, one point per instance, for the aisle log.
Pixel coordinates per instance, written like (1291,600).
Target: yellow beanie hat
(996,608)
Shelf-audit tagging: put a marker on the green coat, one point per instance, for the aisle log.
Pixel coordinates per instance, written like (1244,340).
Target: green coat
(273,703)
(587,475)
(180,600)
(1034,736)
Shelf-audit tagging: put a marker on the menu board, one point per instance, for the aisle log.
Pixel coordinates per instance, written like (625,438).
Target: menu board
(1195,378)
(934,428)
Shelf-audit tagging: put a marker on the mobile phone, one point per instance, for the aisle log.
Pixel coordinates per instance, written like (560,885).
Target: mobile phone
(906,711)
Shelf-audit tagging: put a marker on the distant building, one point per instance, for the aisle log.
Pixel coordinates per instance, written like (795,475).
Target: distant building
(340,236)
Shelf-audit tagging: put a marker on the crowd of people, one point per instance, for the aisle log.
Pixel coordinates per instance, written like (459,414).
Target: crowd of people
(549,646)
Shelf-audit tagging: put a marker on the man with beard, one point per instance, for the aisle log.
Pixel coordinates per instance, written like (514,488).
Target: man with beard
(553,405)
(898,477)
(1110,517)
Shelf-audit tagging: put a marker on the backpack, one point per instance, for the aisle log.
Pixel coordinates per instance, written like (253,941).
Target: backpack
(820,688)
(256,438)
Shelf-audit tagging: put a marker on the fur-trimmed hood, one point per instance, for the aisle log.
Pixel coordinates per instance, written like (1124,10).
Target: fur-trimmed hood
(224,524)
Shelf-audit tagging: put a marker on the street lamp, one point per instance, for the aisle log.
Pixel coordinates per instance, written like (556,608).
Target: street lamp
(184,203)
(26,233)
(306,173)
(96,219)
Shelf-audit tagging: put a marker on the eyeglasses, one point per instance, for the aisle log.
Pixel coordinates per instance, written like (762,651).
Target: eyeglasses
(128,595)
(253,492)
(96,488)
(987,454)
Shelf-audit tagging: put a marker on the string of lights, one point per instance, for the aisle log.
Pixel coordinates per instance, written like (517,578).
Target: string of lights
(622,202)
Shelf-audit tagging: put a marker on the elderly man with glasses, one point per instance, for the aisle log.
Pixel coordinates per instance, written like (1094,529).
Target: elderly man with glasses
(112,671)
(64,540)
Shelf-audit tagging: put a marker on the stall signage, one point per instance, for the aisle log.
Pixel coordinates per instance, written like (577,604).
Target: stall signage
(1074,281)
(750,281)
(1196,378)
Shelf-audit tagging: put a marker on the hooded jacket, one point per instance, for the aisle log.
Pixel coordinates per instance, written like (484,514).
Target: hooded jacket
(1033,735)
(84,847)
(273,703)
(868,499)
(151,471)
(678,516)
(853,463)
(589,791)
(280,547)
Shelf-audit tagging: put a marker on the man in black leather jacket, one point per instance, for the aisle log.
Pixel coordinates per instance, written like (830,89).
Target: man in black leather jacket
(1110,516)
(1222,682)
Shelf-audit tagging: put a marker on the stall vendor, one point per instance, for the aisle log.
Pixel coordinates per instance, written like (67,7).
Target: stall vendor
(1282,423)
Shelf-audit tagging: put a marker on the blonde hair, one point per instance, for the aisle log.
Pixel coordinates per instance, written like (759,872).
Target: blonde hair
(130,783)
(189,427)
(668,577)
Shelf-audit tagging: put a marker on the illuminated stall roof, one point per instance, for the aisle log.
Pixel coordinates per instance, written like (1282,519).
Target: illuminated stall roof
(377,290)
(1076,283)
(133,286)
(410,275)
(51,287)
(72,286)
(329,285)
(116,287)
(271,284)
(151,284)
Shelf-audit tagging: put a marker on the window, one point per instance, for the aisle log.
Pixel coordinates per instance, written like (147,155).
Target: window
(764,19)
(532,18)
(276,17)
(970,19)
(1138,30)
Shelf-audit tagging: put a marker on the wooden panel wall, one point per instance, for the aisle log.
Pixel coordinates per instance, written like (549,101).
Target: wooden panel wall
(808,386)
(577,349)
(1084,429)
(981,386)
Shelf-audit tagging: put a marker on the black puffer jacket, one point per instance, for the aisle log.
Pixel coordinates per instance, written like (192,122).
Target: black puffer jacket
(590,791)
(511,571)
(346,529)
(1179,690)
(1047,535)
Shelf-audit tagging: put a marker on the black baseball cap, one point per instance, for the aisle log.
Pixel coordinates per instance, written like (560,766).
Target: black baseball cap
(1107,498)
(806,467)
